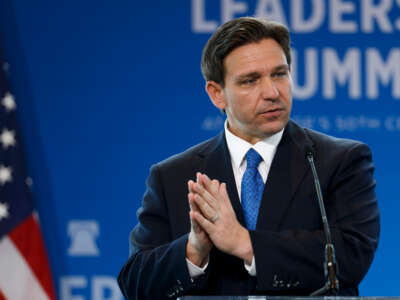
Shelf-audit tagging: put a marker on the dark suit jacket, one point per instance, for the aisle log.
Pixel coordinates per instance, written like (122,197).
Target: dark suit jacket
(288,241)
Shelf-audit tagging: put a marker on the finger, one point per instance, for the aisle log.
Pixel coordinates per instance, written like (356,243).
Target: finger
(192,202)
(215,182)
(210,185)
(195,187)
(204,208)
(194,225)
(204,223)
(196,208)
(199,189)
(191,184)
(224,194)
(193,207)
(216,185)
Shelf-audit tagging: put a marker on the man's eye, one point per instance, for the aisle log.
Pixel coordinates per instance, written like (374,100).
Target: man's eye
(249,81)
(279,74)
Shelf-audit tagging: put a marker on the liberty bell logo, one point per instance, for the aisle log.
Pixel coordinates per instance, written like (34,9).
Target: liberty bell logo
(83,235)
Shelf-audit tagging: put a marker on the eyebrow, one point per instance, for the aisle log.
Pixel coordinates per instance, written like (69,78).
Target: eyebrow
(283,67)
(248,75)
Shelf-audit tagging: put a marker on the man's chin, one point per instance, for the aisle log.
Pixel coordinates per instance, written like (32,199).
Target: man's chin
(272,128)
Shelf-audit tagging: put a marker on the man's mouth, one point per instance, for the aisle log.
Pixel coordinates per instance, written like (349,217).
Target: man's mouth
(273,111)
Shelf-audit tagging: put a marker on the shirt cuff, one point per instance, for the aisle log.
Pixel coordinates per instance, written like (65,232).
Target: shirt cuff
(251,269)
(195,271)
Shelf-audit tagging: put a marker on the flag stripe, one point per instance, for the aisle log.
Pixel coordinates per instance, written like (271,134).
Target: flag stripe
(27,238)
(17,282)
(24,267)
(2,296)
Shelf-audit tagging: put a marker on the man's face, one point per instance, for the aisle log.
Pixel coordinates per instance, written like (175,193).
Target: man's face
(257,96)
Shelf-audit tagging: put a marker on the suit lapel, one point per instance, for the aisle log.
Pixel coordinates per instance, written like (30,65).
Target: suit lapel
(288,170)
(217,165)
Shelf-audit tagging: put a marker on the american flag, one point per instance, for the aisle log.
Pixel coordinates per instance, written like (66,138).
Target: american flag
(24,267)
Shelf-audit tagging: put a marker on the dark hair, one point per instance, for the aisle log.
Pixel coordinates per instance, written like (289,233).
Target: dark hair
(236,33)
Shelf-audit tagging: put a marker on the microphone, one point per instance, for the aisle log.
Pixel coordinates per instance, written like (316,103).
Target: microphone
(330,266)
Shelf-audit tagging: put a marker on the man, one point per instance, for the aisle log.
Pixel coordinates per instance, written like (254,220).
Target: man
(238,214)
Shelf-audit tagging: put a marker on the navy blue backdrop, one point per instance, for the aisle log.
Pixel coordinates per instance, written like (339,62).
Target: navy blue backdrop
(107,88)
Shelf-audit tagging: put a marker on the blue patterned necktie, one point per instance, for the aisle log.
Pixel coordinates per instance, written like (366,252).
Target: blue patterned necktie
(252,189)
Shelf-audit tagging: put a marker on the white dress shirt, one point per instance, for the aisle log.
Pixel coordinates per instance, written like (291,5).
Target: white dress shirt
(237,149)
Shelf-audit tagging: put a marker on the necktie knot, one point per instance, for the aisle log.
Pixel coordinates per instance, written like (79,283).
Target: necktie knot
(253,159)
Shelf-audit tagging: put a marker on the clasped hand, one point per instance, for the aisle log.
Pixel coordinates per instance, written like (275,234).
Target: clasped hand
(214,223)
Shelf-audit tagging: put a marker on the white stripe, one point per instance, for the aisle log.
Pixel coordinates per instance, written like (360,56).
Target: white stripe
(17,282)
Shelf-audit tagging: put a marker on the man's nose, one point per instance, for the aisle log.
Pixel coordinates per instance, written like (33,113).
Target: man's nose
(269,89)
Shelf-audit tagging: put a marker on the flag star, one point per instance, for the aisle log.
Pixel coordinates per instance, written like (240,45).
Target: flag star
(7,138)
(5,174)
(8,102)
(3,211)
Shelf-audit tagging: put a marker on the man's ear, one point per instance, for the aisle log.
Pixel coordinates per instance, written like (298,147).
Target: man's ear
(216,94)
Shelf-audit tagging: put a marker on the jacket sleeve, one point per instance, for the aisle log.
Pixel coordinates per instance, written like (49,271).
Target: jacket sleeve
(292,258)
(157,267)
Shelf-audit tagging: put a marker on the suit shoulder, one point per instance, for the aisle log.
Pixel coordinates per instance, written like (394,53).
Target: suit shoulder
(322,140)
(334,149)
(181,159)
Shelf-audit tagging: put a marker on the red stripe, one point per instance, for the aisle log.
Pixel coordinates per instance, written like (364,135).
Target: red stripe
(2,297)
(28,240)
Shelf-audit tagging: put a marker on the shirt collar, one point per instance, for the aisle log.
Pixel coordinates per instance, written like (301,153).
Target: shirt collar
(239,147)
